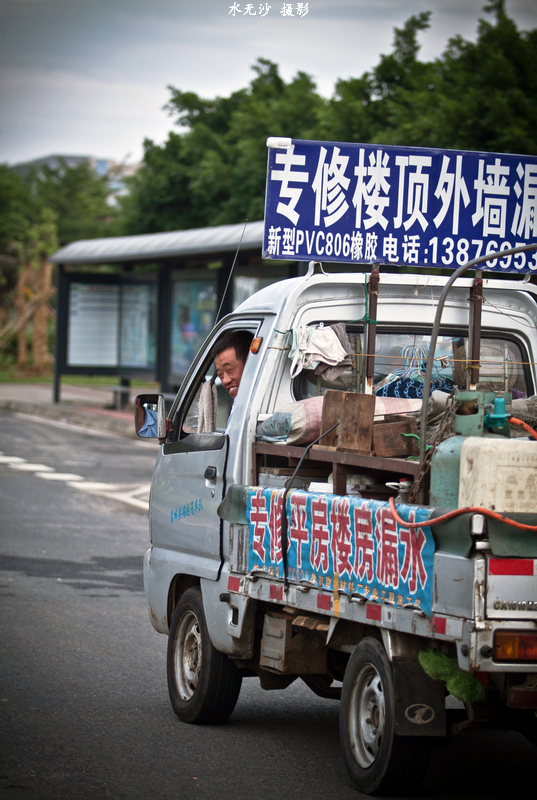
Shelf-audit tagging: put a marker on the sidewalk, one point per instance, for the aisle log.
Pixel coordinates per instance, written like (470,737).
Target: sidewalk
(79,405)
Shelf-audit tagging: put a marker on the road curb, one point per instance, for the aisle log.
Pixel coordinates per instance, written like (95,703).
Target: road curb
(84,419)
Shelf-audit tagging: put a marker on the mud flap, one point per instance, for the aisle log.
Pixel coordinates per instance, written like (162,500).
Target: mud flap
(419,701)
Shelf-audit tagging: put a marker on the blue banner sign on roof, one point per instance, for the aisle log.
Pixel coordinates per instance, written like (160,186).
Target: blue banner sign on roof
(364,203)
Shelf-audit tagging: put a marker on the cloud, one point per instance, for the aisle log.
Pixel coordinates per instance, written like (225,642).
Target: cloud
(91,75)
(72,114)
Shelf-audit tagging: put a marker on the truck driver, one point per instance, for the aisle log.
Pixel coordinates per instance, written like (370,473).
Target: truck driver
(230,354)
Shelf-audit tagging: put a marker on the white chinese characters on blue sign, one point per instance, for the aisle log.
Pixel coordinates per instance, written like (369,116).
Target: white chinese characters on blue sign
(394,205)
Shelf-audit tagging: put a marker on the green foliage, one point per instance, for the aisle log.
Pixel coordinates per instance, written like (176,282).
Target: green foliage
(78,197)
(214,172)
(478,95)
(57,206)
(18,208)
(39,240)
(441,667)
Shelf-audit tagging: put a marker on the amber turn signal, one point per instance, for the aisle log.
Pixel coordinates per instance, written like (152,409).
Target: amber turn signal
(511,646)
(256,344)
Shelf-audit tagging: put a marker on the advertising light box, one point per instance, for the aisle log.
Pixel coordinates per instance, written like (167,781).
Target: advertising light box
(366,203)
(111,325)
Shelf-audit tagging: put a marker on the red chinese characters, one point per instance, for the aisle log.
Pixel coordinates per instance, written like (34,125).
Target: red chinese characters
(331,537)
(320,535)
(341,536)
(258,520)
(388,549)
(275,526)
(365,544)
(298,531)
(414,542)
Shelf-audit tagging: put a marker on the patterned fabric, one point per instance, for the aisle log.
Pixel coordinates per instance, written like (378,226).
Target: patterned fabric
(405,387)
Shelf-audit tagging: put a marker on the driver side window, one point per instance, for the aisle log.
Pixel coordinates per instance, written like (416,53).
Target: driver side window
(208,406)
(223,404)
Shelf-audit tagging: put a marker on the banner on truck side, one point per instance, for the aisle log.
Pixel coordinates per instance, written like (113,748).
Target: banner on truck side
(352,541)
(364,203)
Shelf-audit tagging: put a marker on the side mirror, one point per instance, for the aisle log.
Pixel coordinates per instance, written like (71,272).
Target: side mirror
(150,416)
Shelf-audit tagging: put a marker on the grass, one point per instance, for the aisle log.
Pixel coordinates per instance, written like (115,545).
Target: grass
(10,373)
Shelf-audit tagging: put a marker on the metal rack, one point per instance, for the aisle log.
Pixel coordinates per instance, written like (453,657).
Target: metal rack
(342,463)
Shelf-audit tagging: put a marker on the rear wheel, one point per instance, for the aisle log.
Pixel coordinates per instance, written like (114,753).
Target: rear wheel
(203,683)
(378,761)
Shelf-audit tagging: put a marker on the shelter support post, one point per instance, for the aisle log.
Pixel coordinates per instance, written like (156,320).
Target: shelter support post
(60,354)
(124,396)
(164,316)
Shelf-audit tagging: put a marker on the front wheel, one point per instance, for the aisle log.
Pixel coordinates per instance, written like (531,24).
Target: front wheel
(378,761)
(203,683)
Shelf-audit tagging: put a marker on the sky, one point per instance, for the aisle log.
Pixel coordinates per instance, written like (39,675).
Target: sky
(90,77)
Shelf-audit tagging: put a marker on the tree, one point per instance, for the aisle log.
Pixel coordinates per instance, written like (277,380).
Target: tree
(489,89)
(214,172)
(78,196)
(476,96)
(18,209)
(39,211)
(34,289)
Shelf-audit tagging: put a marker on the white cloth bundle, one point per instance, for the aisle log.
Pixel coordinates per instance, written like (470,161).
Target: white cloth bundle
(313,345)
(208,404)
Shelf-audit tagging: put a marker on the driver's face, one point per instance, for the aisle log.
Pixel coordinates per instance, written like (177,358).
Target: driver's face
(229,369)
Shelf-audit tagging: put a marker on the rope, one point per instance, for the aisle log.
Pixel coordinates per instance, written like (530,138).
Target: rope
(450,360)
(449,413)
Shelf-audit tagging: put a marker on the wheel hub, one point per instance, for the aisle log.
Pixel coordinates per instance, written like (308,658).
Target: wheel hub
(188,655)
(367,716)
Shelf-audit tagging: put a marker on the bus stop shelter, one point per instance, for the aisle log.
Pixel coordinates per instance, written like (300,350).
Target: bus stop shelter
(141,306)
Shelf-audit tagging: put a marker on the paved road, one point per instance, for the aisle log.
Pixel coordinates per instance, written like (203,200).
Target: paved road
(84,706)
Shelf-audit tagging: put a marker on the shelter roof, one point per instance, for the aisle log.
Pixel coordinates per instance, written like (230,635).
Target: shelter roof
(157,246)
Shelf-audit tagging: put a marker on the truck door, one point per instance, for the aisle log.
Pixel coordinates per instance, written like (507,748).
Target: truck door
(188,486)
(190,476)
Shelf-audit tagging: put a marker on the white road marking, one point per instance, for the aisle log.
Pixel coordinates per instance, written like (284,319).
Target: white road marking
(124,494)
(96,486)
(137,495)
(127,498)
(144,489)
(28,467)
(59,476)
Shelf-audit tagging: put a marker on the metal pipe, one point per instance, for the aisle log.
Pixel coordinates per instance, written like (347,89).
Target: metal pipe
(436,328)
(474,345)
(373,292)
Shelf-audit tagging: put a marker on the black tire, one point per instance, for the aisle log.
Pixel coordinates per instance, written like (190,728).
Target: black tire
(378,761)
(203,683)
(522,720)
